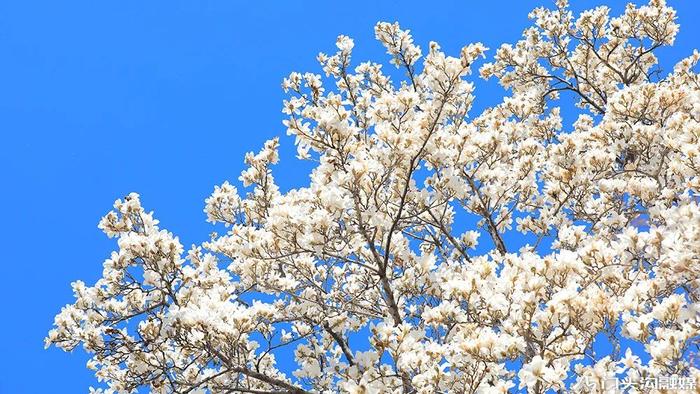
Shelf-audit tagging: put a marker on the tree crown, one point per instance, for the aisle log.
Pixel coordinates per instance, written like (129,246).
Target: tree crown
(373,253)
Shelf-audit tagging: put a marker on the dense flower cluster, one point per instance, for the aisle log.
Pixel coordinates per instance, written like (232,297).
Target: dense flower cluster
(369,255)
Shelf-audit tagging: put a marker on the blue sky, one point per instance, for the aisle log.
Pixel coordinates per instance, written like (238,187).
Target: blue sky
(100,98)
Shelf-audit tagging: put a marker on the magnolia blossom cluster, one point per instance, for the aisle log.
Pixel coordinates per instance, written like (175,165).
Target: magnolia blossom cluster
(400,267)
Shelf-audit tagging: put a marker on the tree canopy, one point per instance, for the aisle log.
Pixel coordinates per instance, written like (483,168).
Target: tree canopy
(369,278)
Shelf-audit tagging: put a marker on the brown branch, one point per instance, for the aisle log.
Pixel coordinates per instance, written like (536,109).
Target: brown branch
(291,389)
(341,342)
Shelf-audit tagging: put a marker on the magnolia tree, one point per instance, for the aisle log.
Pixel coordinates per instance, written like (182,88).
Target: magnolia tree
(369,279)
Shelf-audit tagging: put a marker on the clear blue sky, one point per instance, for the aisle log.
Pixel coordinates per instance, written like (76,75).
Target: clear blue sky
(100,98)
